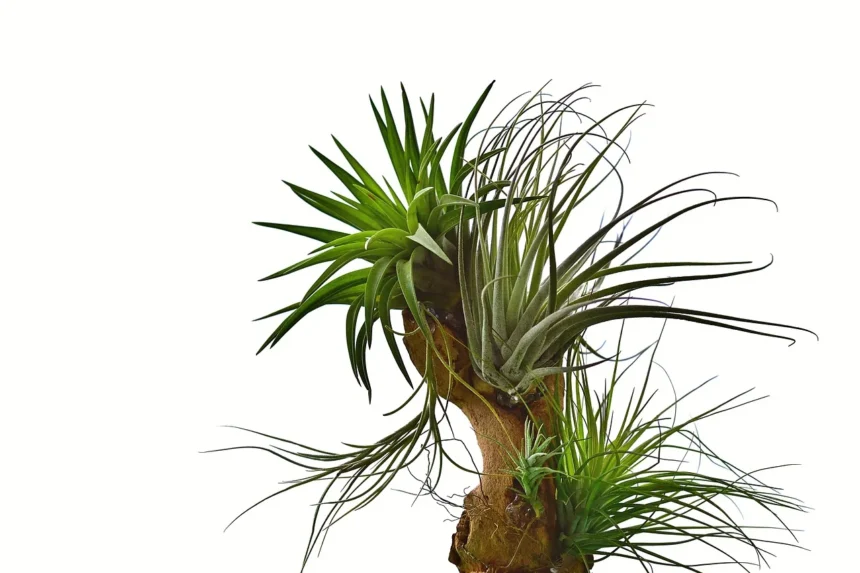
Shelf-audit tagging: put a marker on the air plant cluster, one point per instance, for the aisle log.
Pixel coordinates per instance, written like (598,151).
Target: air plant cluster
(470,228)
(635,484)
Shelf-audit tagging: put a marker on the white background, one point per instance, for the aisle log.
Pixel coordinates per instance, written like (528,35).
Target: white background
(139,139)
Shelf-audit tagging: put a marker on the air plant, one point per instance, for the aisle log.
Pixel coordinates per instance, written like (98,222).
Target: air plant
(631,484)
(524,306)
(465,242)
(406,237)
(529,465)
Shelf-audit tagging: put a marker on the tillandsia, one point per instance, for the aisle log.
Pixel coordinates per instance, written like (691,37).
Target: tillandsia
(407,236)
(530,465)
(470,239)
(637,485)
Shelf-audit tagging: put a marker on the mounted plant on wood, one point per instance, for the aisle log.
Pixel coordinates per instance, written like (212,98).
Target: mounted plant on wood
(465,241)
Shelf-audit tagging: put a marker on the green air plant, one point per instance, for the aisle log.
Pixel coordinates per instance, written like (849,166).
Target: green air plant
(529,465)
(630,484)
(474,239)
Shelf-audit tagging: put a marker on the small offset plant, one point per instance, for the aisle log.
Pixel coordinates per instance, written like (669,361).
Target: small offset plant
(473,237)
(530,465)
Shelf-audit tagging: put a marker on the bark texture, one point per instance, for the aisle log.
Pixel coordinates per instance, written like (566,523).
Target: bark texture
(497,532)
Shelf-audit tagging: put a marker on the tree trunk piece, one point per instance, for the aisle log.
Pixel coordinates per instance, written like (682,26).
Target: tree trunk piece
(498,532)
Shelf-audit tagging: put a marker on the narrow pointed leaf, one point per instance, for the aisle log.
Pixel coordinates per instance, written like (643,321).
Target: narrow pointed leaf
(323,235)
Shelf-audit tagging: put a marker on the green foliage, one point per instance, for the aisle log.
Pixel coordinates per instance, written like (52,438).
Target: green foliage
(529,465)
(623,483)
(355,478)
(483,241)
(479,238)
(405,238)
(524,305)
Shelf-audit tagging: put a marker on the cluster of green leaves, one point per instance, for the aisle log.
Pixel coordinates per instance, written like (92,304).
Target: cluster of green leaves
(479,238)
(357,477)
(529,466)
(485,238)
(622,483)
(407,240)
(406,237)
(524,305)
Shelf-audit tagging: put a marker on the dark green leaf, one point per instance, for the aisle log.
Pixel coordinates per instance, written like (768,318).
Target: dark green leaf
(324,235)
